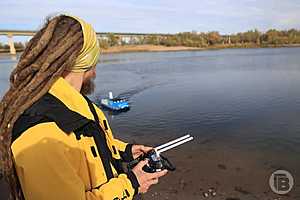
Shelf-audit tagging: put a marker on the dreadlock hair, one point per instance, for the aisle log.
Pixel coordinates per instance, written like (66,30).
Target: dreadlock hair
(50,52)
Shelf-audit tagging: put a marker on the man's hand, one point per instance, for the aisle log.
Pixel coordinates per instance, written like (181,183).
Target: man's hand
(146,179)
(138,150)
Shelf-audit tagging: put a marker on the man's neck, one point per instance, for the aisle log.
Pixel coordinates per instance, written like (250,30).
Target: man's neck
(75,79)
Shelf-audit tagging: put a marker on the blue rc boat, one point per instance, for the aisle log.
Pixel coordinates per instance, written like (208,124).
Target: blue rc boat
(115,104)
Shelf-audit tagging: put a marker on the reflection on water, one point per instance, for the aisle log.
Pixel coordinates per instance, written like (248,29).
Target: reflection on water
(245,98)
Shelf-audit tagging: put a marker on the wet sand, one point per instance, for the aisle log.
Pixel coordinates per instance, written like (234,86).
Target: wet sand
(231,173)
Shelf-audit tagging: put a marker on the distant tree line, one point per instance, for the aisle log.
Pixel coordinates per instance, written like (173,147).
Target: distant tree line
(19,46)
(251,38)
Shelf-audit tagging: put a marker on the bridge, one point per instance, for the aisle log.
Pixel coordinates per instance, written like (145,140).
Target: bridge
(101,35)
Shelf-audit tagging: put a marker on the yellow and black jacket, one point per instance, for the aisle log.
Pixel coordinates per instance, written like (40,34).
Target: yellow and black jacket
(64,149)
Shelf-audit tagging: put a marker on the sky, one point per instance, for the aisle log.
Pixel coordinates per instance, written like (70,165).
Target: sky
(156,16)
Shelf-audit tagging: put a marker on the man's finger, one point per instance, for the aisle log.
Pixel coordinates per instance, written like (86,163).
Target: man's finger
(142,163)
(146,149)
(158,174)
(152,181)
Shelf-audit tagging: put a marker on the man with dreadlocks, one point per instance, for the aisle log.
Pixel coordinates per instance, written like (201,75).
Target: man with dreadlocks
(55,143)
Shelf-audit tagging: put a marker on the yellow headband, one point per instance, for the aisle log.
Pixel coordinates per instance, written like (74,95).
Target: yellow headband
(89,54)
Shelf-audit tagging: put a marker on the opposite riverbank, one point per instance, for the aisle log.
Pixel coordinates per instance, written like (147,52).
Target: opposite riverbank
(161,48)
(149,48)
(134,48)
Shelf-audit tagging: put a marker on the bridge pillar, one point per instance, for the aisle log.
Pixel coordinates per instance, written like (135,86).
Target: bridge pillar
(11,44)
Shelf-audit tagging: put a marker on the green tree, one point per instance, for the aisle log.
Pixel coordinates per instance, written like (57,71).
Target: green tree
(113,39)
(152,39)
(19,45)
(272,36)
(213,37)
(104,43)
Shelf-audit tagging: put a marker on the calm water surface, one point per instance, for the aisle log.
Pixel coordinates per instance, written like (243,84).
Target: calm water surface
(242,98)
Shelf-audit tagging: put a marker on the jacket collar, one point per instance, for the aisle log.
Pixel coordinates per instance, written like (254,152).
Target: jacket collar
(66,93)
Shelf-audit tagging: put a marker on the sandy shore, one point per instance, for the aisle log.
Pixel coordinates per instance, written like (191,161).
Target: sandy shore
(161,48)
(149,48)
(231,173)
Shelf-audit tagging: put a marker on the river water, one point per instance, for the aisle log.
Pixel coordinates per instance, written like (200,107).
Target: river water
(250,97)
(244,99)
